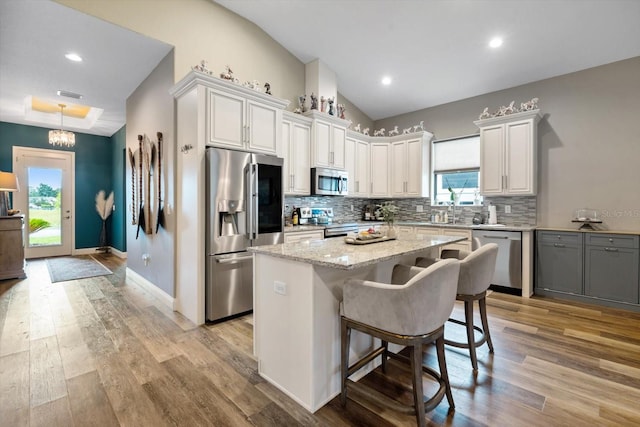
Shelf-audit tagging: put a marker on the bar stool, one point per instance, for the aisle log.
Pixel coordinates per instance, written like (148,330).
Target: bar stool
(412,314)
(476,272)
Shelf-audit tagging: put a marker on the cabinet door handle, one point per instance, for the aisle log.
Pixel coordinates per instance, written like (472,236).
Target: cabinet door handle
(611,249)
(248,133)
(357,186)
(558,245)
(371,186)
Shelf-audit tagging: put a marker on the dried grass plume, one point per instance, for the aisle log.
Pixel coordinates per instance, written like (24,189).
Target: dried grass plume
(104,207)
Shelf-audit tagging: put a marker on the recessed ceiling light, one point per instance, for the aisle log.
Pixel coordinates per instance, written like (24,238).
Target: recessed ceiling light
(73,57)
(386,80)
(495,42)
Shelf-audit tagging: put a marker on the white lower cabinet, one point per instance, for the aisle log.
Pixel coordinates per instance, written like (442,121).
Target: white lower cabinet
(299,236)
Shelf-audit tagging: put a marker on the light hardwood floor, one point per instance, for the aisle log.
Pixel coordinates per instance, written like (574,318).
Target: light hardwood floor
(102,352)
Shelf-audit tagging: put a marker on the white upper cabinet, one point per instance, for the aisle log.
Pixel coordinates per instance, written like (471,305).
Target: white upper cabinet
(380,169)
(240,119)
(296,151)
(357,165)
(410,167)
(328,137)
(508,154)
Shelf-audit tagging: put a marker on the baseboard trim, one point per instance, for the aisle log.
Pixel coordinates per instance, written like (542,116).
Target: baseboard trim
(93,251)
(165,298)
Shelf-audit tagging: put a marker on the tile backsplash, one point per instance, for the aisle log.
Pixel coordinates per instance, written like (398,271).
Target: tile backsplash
(523,208)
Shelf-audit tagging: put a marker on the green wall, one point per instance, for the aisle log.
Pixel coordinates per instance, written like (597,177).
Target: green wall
(95,171)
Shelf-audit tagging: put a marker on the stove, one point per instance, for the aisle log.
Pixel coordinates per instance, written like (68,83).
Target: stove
(337,230)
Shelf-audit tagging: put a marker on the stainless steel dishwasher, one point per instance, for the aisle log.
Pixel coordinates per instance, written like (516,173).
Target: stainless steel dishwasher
(509,263)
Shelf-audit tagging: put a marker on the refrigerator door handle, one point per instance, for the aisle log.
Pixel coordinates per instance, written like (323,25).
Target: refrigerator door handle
(253,201)
(233,260)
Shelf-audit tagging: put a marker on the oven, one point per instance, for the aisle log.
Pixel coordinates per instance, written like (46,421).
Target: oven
(329,182)
(338,230)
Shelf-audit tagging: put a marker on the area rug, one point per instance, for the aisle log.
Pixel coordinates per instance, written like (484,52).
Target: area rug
(66,268)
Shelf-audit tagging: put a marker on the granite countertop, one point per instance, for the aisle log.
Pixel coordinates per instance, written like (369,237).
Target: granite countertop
(335,253)
(469,226)
(573,230)
(301,228)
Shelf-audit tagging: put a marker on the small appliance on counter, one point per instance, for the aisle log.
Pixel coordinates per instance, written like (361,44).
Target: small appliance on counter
(323,216)
(304,216)
(478,218)
(369,213)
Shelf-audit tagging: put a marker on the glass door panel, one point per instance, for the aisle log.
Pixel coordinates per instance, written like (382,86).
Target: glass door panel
(45,213)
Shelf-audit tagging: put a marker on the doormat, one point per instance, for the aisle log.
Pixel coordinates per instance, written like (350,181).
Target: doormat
(66,268)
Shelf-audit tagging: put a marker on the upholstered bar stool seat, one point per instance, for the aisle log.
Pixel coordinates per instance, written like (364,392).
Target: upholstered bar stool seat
(476,272)
(410,314)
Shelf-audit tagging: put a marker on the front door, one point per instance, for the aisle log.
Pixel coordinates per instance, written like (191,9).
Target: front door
(46,199)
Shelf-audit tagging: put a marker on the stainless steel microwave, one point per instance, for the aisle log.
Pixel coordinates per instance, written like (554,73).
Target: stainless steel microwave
(329,182)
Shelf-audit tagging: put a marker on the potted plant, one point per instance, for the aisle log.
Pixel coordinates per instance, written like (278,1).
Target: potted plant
(388,211)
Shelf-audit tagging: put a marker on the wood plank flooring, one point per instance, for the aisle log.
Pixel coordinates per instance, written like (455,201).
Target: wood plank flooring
(103,352)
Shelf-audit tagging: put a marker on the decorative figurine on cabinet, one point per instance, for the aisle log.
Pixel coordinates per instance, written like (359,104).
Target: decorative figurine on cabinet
(202,67)
(357,128)
(314,102)
(394,131)
(530,105)
(379,132)
(485,114)
(406,131)
(323,103)
(331,110)
(267,88)
(301,101)
(419,126)
(365,131)
(341,110)
(227,74)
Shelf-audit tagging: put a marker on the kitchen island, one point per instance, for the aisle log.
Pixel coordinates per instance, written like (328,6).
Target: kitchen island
(297,294)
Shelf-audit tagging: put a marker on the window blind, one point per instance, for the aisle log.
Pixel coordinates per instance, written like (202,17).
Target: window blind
(456,154)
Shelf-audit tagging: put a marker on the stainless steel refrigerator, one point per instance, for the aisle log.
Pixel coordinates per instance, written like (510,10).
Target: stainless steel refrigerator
(245,201)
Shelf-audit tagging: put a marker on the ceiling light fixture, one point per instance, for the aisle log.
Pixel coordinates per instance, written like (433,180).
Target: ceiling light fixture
(495,42)
(73,57)
(386,80)
(62,137)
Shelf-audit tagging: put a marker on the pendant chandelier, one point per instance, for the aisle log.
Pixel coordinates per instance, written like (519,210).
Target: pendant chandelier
(62,137)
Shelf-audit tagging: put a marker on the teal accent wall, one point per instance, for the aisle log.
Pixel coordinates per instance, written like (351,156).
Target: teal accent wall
(94,172)
(119,161)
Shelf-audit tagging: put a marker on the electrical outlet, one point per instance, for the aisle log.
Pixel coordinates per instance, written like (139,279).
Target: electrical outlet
(351,208)
(419,208)
(507,208)
(279,287)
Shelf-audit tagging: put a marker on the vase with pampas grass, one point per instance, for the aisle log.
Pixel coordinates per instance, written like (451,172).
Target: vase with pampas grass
(104,207)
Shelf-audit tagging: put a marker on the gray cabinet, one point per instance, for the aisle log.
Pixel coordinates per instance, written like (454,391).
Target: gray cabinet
(559,262)
(611,267)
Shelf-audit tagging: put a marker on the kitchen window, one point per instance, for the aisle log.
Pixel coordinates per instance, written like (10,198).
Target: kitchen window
(456,166)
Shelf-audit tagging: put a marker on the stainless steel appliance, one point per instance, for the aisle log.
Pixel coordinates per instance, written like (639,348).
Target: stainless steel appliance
(338,230)
(304,216)
(329,182)
(509,262)
(244,208)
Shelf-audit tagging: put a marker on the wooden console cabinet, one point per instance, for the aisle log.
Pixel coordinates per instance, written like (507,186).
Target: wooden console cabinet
(12,247)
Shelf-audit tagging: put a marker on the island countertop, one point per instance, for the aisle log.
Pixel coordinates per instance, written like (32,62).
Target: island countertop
(335,253)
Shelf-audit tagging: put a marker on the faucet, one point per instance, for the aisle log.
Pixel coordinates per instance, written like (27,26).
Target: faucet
(453,212)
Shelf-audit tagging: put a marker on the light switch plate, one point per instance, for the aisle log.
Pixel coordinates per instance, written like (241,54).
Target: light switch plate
(507,208)
(419,208)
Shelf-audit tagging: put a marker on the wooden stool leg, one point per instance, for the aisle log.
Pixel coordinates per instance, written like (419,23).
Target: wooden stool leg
(482,303)
(444,374)
(384,356)
(418,393)
(468,314)
(344,363)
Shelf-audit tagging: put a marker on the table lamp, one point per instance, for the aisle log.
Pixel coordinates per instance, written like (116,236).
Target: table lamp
(8,183)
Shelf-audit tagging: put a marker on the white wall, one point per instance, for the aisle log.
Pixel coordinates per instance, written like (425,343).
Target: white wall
(589,140)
